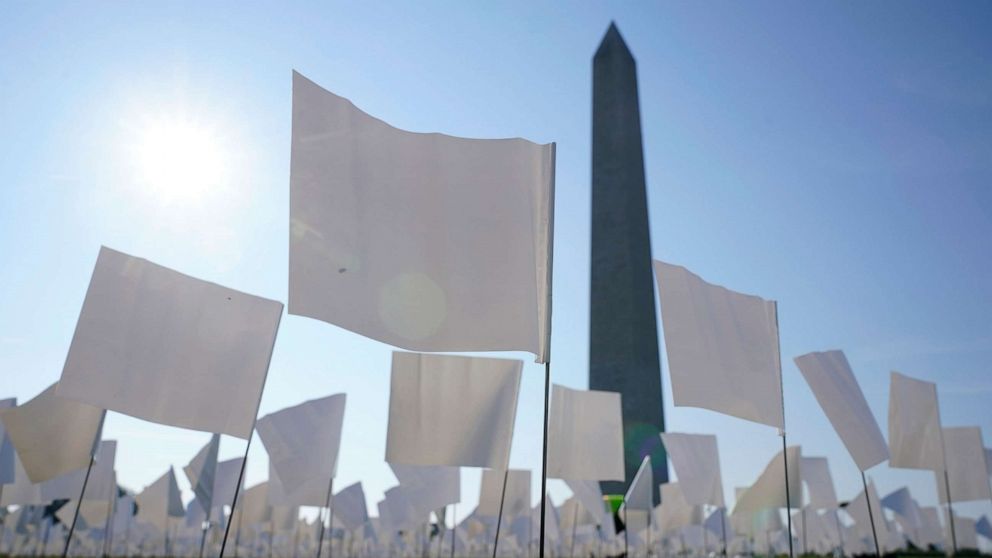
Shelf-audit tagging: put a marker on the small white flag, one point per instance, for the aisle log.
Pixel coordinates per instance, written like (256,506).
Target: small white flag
(160,500)
(168,348)
(836,389)
(915,439)
(201,472)
(696,460)
(819,483)
(639,495)
(769,491)
(723,351)
(350,508)
(303,441)
(585,435)
(451,410)
(517,498)
(966,472)
(427,242)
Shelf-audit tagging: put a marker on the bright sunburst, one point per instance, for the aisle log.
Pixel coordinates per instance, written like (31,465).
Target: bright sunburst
(179,160)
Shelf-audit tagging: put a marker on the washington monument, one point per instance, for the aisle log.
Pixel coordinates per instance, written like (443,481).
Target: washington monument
(623,331)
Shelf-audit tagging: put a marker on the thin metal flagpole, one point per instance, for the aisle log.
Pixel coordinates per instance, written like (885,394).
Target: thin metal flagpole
(544,455)
(111,508)
(327,504)
(950,508)
(499,516)
(79,504)
(454,526)
(575,521)
(785,450)
(723,528)
(440,533)
(805,546)
(871,516)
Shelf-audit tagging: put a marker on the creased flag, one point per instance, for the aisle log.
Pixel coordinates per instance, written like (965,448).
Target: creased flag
(722,346)
(451,410)
(819,483)
(585,435)
(303,441)
(201,472)
(6,447)
(52,435)
(427,242)
(966,472)
(836,389)
(350,508)
(915,439)
(768,492)
(431,487)
(168,348)
(901,503)
(696,460)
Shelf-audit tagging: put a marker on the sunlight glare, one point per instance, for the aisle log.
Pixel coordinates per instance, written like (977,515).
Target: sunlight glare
(179,160)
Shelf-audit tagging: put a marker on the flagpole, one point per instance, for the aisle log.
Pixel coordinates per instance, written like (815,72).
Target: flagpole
(327,504)
(950,507)
(840,533)
(79,504)
(871,516)
(544,457)
(805,545)
(454,526)
(575,521)
(499,516)
(110,517)
(723,528)
(785,451)
(440,532)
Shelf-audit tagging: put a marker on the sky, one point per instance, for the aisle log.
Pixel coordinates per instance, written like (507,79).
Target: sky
(835,157)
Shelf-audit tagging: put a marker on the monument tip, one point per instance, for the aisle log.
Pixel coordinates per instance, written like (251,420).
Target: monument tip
(613,40)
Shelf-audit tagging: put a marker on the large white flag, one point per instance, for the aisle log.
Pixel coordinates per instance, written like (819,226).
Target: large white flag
(202,471)
(819,483)
(696,460)
(427,242)
(303,441)
(723,350)
(6,448)
(52,435)
(451,410)
(769,491)
(915,440)
(966,471)
(836,389)
(166,347)
(585,435)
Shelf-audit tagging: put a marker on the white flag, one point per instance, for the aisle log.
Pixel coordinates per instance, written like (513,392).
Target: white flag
(303,441)
(451,410)
(966,472)
(350,508)
(434,487)
(696,460)
(722,346)
(427,242)
(639,494)
(201,472)
(585,435)
(769,491)
(160,500)
(819,483)
(52,435)
(165,347)
(101,478)
(836,389)
(311,492)
(675,513)
(901,502)
(517,498)
(6,448)
(858,510)
(915,440)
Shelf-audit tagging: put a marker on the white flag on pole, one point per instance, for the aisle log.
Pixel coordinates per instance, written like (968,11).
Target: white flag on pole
(201,472)
(101,483)
(52,435)
(6,447)
(722,346)
(696,460)
(427,242)
(585,435)
(819,483)
(517,499)
(836,389)
(168,348)
(639,495)
(915,439)
(769,491)
(303,441)
(434,487)
(451,410)
(966,471)
(350,508)
(160,500)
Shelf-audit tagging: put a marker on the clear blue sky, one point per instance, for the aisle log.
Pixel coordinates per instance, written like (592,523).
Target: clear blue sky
(836,157)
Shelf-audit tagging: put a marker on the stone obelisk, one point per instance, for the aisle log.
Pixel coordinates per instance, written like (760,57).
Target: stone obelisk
(623,330)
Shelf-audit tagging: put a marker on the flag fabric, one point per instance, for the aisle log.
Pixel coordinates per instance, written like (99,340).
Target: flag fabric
(988,461)
(253,506)
(722,346)
(202,471)
(226,483)
(101,478)
(901,503)
(160,500)
(350,508)
(696,460)
(310,493)
(966,473)
(675,513)
(819,483)
(165,347)
(639,494)
(915,438)
(585,435)
(303,441)
(984,528)
(52,435)
(769,491)
(858,510)
(836,389)
(435,487)
(21,492)
(589,493)
(6,447)
(427,242)
(451,410)
(517,500)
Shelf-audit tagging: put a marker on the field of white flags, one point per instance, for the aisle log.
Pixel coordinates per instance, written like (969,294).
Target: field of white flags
(443,254)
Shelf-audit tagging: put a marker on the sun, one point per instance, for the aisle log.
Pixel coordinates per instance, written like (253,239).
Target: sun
(178,160)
